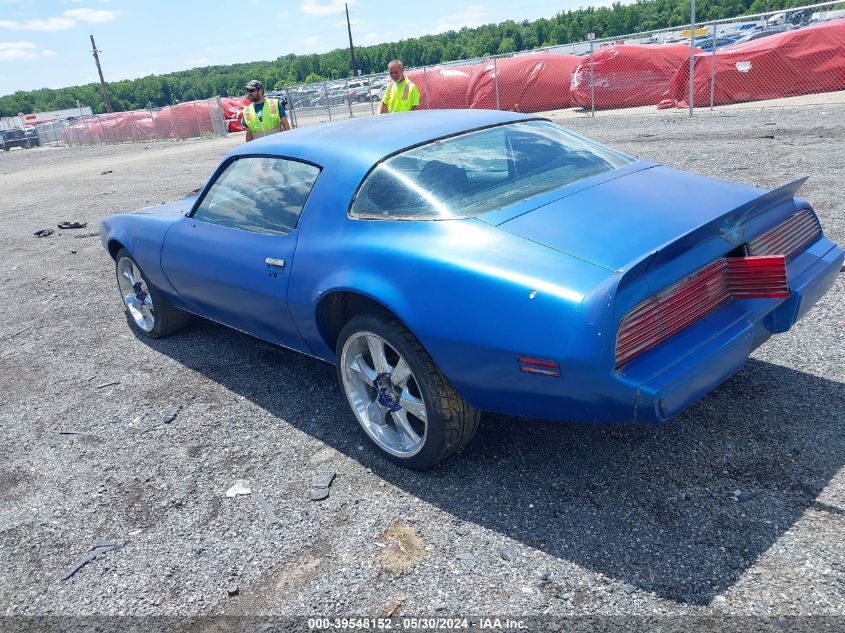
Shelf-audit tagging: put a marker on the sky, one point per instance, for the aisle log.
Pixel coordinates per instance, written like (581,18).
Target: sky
(45,43)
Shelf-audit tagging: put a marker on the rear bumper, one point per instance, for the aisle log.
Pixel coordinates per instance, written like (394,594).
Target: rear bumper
(721,343)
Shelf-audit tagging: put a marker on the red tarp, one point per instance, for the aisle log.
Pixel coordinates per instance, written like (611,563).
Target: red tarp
(446,86)
(800,62)
(527,83)
(232,109)
(184,120)
(628,75)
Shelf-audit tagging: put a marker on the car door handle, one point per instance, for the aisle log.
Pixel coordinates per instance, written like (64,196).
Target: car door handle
(276,263)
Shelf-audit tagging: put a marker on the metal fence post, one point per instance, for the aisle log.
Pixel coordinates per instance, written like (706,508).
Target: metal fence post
(691,57)
(592,84)
(328,103)
(173,122)
(427,91)
(712,66)
(197,119)
(87,131)
(291,108)
(222,128)
(496,82)
(370,97)
(349,99)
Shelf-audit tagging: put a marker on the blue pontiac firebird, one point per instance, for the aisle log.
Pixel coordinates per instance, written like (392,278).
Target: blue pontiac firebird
(450,262)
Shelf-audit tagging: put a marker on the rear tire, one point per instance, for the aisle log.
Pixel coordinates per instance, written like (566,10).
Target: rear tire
(400,398)
(148,312)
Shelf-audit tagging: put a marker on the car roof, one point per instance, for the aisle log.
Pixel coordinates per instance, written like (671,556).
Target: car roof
(358,144)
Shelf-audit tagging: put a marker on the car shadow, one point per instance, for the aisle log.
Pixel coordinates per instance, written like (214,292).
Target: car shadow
(681,509)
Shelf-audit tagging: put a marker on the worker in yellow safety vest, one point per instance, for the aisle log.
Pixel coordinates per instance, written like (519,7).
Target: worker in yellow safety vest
(402,94)
(262,116)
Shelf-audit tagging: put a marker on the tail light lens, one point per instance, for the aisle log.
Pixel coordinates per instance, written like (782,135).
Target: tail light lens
(788,238)
(758,277)
(682,304)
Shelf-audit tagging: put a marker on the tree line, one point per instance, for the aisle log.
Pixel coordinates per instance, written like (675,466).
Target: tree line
(506,37)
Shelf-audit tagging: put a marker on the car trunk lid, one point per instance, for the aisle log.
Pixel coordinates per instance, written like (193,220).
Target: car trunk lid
(617,222)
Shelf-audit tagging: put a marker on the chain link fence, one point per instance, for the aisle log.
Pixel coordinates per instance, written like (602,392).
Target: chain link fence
(194,119)
(787,57)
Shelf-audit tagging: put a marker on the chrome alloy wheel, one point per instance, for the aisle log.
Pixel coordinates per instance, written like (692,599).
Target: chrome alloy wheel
(384,394)
(135,294)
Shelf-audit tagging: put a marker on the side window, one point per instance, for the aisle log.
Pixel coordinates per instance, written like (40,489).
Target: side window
(262,195)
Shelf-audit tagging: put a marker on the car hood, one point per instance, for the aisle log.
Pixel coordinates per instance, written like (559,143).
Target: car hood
(617,221)
(174,208)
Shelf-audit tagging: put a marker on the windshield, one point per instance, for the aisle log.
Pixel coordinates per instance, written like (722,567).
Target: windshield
(471,174)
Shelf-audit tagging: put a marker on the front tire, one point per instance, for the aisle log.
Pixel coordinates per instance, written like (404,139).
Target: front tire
(402,401)
(148,312)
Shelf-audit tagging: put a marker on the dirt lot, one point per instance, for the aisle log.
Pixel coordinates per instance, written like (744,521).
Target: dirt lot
(736,507)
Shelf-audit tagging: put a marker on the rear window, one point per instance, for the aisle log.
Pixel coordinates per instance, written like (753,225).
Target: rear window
(481,171)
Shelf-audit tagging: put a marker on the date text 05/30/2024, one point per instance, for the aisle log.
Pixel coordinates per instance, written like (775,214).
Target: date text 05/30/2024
(430,624)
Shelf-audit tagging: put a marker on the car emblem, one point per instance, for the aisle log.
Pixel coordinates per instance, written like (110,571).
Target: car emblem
(733,229)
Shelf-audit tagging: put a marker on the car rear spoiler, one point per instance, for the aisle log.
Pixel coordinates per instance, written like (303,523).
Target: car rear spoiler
(730,226)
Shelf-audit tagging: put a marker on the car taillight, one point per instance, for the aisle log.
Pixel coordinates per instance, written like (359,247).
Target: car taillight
(789,237)
(665,314)
(758,277)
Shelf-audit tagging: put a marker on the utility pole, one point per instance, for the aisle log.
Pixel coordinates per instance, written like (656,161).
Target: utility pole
(106,96)
(692,57)
(351,48)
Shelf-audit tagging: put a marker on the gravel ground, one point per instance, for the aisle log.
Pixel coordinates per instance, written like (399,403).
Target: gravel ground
(735,507)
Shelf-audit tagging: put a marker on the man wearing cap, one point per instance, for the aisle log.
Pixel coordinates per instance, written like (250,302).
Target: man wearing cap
(262,116)
(402,94)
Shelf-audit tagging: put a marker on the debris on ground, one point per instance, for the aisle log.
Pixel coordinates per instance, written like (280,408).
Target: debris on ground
(69,432)
(233,590)
(170,414)
(241,487)
(401,546)
(508,553)
(28,327)
(108,384)
(320,484)
(72,225)
(43,233)
(108,171)
(268,509)
(96,550)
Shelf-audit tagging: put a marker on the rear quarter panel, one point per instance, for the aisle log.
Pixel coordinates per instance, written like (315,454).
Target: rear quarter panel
(475,296)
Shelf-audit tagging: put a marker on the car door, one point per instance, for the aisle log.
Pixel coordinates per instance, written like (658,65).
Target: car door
(230,259)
